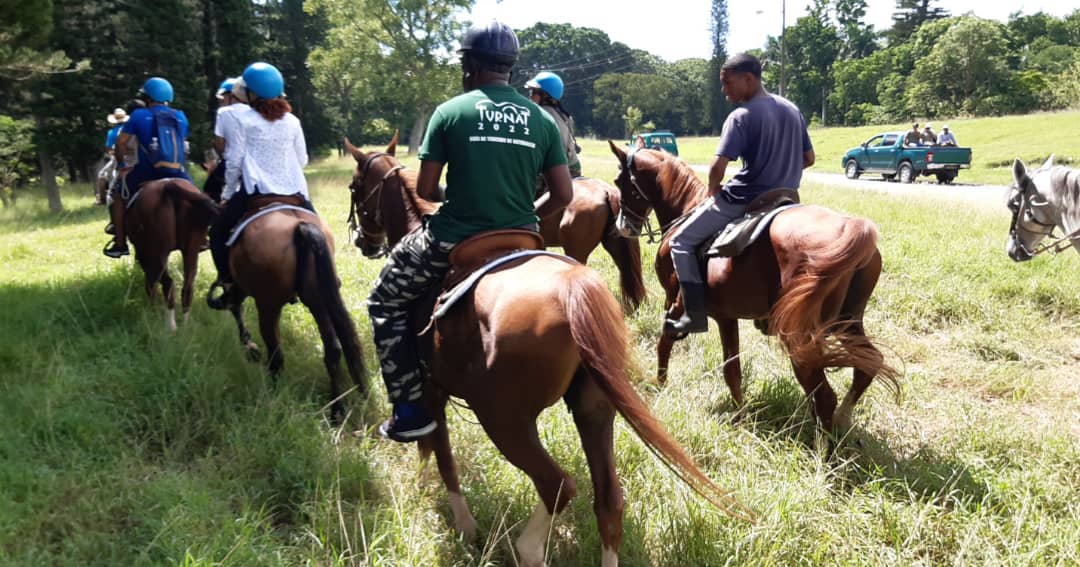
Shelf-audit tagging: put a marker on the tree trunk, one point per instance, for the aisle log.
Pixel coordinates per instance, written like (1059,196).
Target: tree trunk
(416,136)
(48,174)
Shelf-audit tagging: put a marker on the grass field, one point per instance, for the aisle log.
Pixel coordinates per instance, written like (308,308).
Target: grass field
(124,444)
(994,142)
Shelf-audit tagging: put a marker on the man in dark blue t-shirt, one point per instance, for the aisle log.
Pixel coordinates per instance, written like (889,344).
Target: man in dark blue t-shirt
(769,133)
(157,93)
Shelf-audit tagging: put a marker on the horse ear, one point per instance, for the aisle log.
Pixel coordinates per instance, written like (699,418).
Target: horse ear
(619,153)
(1019,172)
(392,148)
(1048,163)
(355,151)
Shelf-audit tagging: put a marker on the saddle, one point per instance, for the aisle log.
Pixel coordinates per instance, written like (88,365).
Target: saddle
(472,259)
(740,234)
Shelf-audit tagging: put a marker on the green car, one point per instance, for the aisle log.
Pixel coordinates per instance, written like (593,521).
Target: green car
(657,141)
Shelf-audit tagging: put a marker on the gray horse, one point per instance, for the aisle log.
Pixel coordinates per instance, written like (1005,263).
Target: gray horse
(1042,201)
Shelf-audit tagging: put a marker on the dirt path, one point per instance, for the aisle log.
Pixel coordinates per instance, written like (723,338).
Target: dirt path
(990,196)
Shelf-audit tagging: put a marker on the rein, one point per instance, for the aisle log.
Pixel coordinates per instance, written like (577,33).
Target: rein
(655,235)
(361,209)
(1055,246)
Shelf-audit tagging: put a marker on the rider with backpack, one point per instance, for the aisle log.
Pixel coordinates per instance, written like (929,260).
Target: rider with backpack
(160,132)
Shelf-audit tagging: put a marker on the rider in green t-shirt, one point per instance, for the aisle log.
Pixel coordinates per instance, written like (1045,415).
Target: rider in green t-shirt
(494,143)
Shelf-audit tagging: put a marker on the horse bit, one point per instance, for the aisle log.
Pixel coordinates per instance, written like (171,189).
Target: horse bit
(358,185)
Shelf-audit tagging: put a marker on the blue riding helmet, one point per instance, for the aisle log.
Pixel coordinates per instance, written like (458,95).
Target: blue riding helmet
(226,87)
(157,90)
(548,82)
(264,80)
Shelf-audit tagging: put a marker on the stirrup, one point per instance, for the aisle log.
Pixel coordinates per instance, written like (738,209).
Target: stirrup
(114,250)
(223,301)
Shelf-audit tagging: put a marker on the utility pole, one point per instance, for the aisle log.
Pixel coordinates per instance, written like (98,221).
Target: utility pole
(783,50)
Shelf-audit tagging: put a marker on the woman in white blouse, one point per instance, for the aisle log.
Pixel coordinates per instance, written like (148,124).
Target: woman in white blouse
(265,154)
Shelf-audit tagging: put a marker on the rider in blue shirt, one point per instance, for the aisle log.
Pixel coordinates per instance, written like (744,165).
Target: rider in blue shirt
(156,92)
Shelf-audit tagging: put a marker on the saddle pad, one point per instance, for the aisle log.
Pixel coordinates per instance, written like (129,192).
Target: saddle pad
(235,234)
(740,234)
(138,191)
(452,295)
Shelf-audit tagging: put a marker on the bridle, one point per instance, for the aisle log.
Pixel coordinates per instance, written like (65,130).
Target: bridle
(642,220)
(360,211)
(1021,206)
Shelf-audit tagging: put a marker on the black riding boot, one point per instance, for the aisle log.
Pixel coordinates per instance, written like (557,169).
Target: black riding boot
(694,318)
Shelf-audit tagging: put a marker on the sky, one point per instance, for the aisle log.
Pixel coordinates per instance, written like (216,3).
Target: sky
(677,29)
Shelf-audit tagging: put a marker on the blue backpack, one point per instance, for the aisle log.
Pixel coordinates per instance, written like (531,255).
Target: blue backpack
(166,150)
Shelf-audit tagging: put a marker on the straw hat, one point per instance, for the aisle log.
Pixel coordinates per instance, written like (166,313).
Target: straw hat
(118,116)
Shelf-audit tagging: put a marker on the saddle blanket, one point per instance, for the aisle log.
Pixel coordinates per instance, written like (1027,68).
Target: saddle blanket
(235,234)
(452,295)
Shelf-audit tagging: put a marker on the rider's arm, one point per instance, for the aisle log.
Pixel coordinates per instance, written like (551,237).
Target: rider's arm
(234,162)
(427,182)
(118,147)
(808,158)
(219,145)
(560,191)
(716,174)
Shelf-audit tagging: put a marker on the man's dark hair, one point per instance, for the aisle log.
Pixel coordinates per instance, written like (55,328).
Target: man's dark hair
(743,63)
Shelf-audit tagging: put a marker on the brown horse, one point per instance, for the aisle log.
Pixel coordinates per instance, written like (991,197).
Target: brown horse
(541,329)
(808,282)
(588,221)
(166,215)
(284,255)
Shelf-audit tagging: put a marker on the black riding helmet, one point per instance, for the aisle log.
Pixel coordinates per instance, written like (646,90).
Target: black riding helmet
(493,43)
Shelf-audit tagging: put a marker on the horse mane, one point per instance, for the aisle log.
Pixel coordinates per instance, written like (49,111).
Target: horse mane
(1065,181)
(680,177)
(418,205)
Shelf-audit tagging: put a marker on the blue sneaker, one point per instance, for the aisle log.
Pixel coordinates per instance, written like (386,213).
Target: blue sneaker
(409,423)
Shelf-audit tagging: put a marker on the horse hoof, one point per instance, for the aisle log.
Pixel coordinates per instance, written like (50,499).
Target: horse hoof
(252,351)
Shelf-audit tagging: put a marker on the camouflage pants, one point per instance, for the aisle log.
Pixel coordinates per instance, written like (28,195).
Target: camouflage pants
(412,267)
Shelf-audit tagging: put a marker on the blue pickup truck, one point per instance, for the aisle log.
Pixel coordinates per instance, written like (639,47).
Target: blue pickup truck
(886,154)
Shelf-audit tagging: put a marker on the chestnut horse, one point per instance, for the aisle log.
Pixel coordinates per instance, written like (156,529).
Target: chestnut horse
(588,221)
(538,330)
(808,283)
(166,215)
(279,257)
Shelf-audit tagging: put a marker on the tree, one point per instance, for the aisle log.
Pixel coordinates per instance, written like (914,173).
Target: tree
(857,37)
(963,72)
(693,96)
(718,31)
(579,56)
(910,14)
(812,45)
(615,92)
(16,149)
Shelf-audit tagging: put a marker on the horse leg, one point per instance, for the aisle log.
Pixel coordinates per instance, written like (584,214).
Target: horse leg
(191,269)
(663,355)
(861,379)
(439,443)
(516,438)
(594,416)
(817,387)
(729,339)
(331,358)
(269,314)
(237,310)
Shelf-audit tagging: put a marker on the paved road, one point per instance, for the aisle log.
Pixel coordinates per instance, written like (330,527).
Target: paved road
(990,196)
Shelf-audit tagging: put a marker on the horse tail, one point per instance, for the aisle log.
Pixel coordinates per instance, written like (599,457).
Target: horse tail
(313,253)
(182,190)
(627,255)
(598,329)
(824,276)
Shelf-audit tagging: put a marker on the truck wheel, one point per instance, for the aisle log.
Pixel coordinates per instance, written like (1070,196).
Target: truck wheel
(906,173)
(944,178)
(851,170)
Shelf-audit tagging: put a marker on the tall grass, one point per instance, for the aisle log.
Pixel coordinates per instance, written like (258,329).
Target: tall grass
(123,444)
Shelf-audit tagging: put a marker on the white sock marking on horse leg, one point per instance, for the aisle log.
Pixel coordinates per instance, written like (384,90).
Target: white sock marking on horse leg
(609,558)
(464,522)
(187,314)
(842,415)
(530,545)
(170,319)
